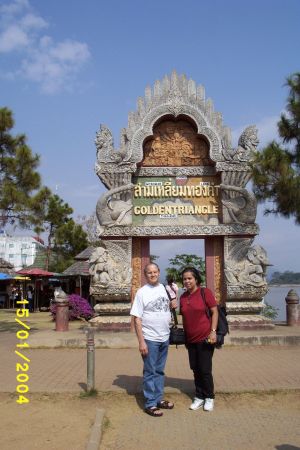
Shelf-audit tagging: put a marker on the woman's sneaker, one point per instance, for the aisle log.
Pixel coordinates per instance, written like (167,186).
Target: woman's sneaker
(208,404)
(197,403)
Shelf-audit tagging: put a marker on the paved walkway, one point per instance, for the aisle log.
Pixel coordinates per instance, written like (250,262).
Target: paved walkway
(245,421)
(235,369)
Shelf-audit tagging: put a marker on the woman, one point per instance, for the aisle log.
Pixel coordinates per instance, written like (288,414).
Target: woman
(200,331)
(171,287)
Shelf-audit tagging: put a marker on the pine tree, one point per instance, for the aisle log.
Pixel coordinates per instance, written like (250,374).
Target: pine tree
(276,169)
(69,240)
(19,180)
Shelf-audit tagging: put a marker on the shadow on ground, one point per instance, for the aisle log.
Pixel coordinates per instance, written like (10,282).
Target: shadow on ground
(286,447)
(13,327)
(131,384)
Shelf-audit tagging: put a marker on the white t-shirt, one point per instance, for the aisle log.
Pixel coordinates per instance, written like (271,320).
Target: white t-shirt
(152,305)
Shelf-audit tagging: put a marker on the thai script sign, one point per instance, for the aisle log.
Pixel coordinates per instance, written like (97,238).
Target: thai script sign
(164,199)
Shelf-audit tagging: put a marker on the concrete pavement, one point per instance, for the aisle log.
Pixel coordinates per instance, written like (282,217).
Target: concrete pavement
(236,369)
(265,414)
(76,338)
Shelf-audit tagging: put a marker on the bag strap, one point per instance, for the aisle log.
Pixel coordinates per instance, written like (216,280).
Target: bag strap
(173,311)
(173,290)
(207,310)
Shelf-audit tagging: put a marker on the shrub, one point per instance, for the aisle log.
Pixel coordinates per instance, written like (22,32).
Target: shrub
(270,311)
(79,308)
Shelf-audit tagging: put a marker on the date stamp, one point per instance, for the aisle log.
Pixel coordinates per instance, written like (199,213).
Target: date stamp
(22,367)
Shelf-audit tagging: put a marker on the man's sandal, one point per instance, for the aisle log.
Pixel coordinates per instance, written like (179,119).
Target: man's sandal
(165,404)
(153,411)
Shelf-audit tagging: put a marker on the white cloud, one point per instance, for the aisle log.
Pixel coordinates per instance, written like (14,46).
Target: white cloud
(13,38)
(31,21)
(52,65)
(14,7)
(70,51)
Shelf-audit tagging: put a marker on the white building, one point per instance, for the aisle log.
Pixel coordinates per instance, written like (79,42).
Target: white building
(20,251)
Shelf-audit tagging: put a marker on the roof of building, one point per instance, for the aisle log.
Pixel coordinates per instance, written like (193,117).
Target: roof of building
(81,263)
(20,239)
(78,268)
(85,254)
(40,261)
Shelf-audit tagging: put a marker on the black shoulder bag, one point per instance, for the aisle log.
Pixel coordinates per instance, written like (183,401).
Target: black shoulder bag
(177,336)
(222,327)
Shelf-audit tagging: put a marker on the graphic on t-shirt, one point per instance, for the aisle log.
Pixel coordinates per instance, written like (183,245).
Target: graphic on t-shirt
(160,304)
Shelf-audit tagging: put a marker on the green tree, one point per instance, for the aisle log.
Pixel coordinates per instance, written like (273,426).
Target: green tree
(69,240)
(51,213)
(276,169)
(270,311)
(19,179)
(286,277)
(179,262)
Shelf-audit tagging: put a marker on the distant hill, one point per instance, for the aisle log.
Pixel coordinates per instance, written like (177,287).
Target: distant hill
(286,277)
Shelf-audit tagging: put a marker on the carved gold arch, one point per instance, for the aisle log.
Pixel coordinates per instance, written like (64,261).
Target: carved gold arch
(175,143)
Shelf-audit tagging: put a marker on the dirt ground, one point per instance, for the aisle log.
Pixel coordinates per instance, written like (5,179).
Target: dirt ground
(240,421)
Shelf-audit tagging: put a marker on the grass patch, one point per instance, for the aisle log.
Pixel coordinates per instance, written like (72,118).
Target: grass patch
(90,393)
(106,424)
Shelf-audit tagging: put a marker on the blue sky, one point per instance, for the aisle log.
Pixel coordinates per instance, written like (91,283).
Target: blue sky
(67,66)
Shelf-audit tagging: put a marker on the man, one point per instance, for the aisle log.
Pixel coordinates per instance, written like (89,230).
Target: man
(30,298)
(151,312)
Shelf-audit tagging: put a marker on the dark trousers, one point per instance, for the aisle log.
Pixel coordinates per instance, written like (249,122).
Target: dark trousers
(200,357)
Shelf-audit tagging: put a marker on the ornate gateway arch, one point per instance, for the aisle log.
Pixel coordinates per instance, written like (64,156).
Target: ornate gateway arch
(176,175)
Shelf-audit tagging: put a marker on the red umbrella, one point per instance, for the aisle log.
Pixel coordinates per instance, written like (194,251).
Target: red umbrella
(35,272)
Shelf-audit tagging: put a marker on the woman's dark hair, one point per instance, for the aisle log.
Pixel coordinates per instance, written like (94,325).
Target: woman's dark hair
(170,279)
(194,271)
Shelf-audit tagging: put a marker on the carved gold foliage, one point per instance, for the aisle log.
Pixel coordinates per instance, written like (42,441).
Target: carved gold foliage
(176,144)
(136,266)
(218,269)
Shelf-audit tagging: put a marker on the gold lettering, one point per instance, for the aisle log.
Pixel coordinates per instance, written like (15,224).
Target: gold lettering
(137,190)
(137,210)
(174,191)
(211,191)
(182,191)
(190,191)
(198,191)
(167,189)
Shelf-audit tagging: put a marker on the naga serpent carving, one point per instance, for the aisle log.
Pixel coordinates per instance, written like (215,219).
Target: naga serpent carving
(112,211)
(247,144)
(241,204)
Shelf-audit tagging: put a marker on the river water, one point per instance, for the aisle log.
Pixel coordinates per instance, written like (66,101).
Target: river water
(276,297)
